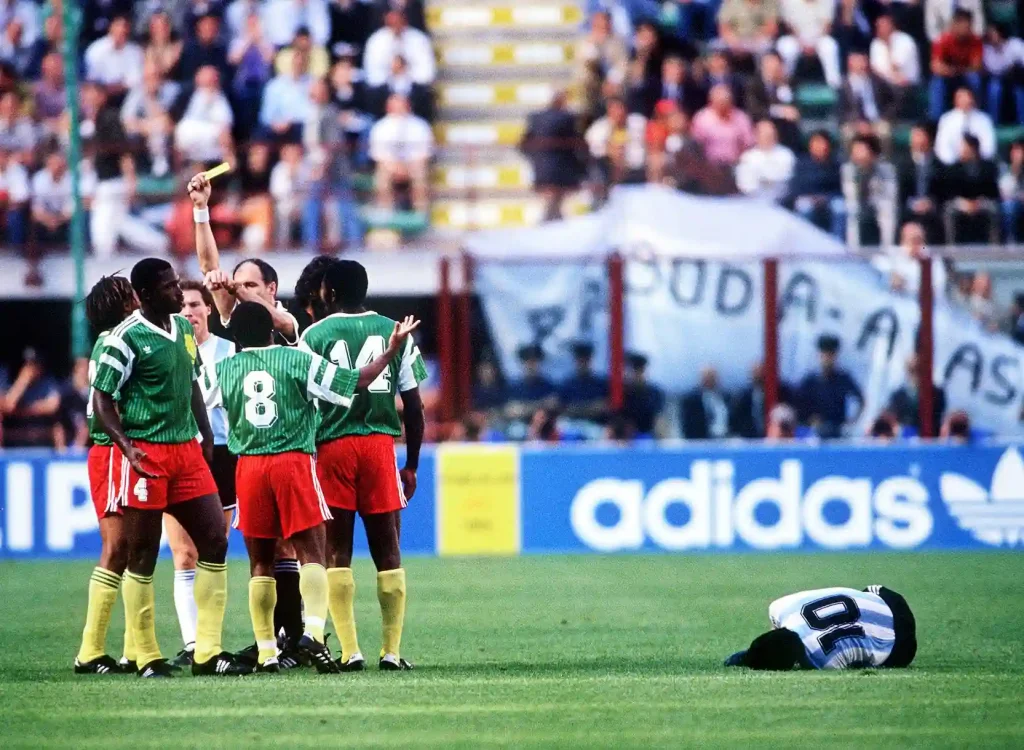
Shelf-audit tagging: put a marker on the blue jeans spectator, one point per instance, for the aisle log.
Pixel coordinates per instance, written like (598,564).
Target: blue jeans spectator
(16,228)
(1010,211)
(339,196)
(995,99)
(940,86)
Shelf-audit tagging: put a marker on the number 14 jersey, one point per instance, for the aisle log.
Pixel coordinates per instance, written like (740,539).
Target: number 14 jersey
(352,341)
(270,396)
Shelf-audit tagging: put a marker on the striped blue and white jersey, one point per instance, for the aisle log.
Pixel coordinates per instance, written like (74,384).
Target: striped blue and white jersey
(212,351)
(840,628)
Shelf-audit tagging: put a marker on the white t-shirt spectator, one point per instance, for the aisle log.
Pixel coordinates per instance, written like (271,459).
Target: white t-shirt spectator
(807,18)
(998,61)
(897,265)
(25,11)
(199,131)
(14,182)
(401,138)
(109,66)
(950,134)
(765,174)
(412,45)
(238,13)
(54,196)
(899,56)
(282,18)
(600,133)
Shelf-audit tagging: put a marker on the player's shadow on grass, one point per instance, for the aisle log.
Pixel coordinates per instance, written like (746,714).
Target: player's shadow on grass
(583,666)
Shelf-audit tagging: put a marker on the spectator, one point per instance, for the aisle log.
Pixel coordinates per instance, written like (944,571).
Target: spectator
(319,60)
(1011,191)
(532,391)
(685,165)
(25,13)
(939,15)
(52,203)
(642,401)
(289,183)
(656,140)
(401,145)
(204,131)
(97,18)
(982,306)
(145,115)
(17,132)
(397,38)
(645,60)
(283,18)
(617,147)
(870,191)
(206,49)
(237,15)
(110,218)
(543,427)
(722,130)
(330,178)
(1003,58)
(286,102)
(815,191)
(400,82)
(809,23)
(770,96)
(675,86)
(14,50)
(351,100)
(971,192)
(902,265)
(551,144)
(114,61)
(600,56)
(956,61)
(746,410)
(194,11)
(30,407)
(163,48)
(584,394)
(896,60)
(1015,319)
(74,401)
(48,43)
(350,27)
(919,176)
(865,96)
(256,211)
(883,429)
(413,10)
(718,71)
(488,392)
(851,28)
(14,195)
(904,402)
(827,397)
(764,171)
(747,28)
(781,423)
(704,411)
(957,428)
(252,57)
(49,94)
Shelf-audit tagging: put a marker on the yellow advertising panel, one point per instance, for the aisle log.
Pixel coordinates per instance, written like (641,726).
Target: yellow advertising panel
(478,500)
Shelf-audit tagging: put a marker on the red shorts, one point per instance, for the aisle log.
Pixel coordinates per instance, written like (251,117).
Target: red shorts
(182,475)
(278,495)
(360,473)
(106,480)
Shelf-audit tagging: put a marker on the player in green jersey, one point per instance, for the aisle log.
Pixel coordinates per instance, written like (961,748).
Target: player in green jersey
(270,394)
(109,302)
(356,460)
(150,364)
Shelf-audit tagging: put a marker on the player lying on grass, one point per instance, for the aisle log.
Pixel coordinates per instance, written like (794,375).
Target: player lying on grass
(149,363)
(108,303)
(269,392)
(836,628)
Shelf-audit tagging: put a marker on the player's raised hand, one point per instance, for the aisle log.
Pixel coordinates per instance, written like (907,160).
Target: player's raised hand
(134,456)
(402,330)
(217,280)
(199,190)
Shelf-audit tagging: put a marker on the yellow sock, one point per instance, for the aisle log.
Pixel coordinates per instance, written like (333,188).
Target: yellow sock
(129,635)
(262,600)
(313,587)
(341,594)
(391,595)
(211,593)
(103,587)
(138,601)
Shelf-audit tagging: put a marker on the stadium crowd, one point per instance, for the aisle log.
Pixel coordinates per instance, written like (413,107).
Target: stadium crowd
(309,99)
(860,115)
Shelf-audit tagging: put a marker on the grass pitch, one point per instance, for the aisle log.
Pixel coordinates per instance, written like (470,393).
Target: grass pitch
(547,652)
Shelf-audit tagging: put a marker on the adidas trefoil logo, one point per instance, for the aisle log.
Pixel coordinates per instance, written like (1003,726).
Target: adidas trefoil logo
(994,516)
(147,349)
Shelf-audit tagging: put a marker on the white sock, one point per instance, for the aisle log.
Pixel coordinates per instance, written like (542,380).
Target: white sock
(185,605)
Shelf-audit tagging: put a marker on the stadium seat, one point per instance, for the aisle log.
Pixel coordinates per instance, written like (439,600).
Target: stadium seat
(406,223)
(1006,135)
(816,99)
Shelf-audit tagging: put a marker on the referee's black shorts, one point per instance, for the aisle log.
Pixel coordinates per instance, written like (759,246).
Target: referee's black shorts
(223,469)
(905,627)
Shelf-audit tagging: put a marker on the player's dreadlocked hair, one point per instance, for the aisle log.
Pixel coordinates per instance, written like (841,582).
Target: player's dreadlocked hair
(251,324)
(346,279)
(107,302)
(307,288)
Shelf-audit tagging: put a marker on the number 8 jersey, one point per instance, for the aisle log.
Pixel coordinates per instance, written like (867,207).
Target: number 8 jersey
(840,628)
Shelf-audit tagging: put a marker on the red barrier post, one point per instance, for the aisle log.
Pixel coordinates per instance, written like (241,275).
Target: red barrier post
(445,323)
(616,330)
(464,353)
(771,336)
(926,351)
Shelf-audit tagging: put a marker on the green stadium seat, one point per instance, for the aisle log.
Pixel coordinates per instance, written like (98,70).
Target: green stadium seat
(406,223)
(901,137)
(362,183)
(1003,12)
(816,99)
(153,187)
